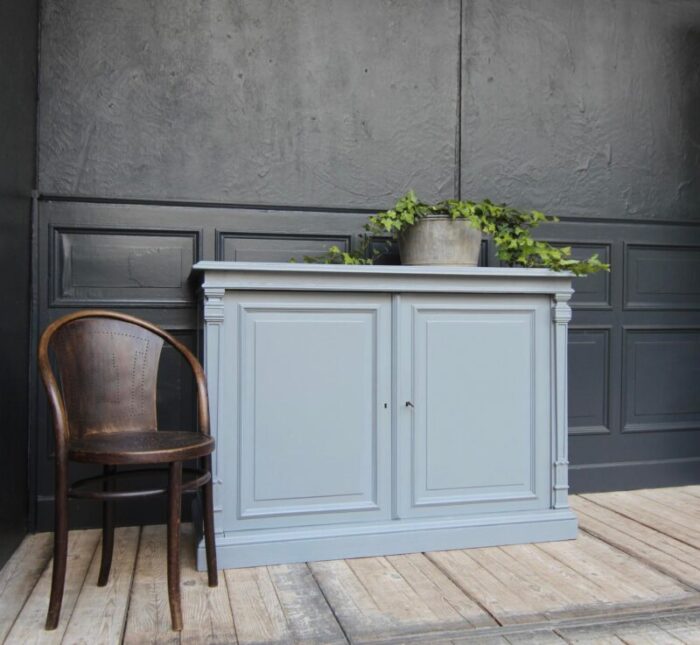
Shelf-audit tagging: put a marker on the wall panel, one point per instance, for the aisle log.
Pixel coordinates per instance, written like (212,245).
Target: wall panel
(589,380)
(661,380)
(662,277)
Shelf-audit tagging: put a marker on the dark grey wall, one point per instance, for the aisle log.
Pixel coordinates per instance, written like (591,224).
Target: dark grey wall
(312,112)
(582,108)
(18,28)
(585,108)
(312,102)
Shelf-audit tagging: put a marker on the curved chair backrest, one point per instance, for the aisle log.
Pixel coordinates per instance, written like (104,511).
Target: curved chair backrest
(108,368)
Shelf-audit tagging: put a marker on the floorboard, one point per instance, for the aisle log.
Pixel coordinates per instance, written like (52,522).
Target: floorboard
(657,549)
(19,576)
(148,617)
(100,613)
(632,576)
(28,627)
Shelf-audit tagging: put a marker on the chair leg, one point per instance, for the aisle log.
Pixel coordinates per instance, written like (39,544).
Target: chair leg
(208,494)
(174,507)
(60,544)
(107,533)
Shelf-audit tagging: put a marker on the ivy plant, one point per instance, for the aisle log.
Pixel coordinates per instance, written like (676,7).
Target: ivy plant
(509,228)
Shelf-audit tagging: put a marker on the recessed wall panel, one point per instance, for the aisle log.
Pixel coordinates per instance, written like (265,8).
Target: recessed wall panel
(662,380)
(662,277)
(592,291)
(589,365)
(92,266)
(269,248)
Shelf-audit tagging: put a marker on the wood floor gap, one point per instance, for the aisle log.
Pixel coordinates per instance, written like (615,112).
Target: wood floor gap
(330,606)
(131,584)
(555,625)
(466,592)
(663,570)
(658,529)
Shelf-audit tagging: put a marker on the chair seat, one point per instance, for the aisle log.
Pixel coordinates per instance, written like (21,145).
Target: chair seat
(148,447)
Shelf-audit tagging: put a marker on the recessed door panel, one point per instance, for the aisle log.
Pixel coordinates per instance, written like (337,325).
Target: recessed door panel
(314,432)
(473,413)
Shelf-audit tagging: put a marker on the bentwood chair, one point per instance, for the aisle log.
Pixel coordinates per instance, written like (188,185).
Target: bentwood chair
(103,406)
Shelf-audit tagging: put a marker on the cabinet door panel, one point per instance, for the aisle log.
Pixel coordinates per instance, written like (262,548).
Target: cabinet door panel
(476,371)
(313,433)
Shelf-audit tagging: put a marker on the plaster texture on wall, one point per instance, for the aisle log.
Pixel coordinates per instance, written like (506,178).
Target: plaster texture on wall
(583,108)
(295,102)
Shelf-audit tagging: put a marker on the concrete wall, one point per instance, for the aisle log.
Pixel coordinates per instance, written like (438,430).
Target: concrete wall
(583,108)
(18,28)
(314,102)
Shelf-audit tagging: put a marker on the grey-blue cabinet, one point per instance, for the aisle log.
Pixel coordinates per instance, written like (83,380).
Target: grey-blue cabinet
(374,410)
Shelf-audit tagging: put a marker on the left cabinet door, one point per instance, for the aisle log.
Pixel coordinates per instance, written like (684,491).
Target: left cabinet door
(305,427)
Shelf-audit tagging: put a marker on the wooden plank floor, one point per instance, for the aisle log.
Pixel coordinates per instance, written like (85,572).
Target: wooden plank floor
(632,576)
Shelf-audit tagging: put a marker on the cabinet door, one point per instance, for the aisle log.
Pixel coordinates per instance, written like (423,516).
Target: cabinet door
(473,406)
(308,386)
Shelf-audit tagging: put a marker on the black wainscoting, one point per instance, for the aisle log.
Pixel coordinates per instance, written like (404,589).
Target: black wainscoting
(18,61)
(634,346)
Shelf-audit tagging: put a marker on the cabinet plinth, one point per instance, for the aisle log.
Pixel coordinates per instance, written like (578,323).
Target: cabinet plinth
(379,410)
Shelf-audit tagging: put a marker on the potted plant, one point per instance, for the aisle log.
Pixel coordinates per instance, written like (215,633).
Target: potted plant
(450,232)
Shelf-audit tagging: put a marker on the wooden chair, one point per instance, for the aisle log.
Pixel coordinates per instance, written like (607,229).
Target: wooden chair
(104,412)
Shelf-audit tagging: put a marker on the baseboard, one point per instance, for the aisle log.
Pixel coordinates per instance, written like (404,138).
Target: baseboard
(629,475)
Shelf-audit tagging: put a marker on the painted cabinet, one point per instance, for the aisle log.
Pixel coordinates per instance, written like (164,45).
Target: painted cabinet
(374,410)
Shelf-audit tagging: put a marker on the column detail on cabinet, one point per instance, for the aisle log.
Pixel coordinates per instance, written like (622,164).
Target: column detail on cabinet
(213,313)
(561,314)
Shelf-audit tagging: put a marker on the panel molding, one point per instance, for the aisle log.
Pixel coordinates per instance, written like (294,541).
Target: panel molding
(691,303)
(323,242)
(58,237)
(603,429)
(368,316)
(653,425)
(417,496)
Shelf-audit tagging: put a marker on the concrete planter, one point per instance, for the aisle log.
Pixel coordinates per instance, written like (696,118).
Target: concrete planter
(438,239)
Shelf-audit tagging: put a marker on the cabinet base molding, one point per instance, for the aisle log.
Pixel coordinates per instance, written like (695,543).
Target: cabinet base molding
(303,544)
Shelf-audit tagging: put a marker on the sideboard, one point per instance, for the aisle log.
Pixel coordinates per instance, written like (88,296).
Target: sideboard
(373,410)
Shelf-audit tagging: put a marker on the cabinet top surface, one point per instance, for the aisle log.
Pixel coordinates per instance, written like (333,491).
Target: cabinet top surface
(325,277)
(377,270)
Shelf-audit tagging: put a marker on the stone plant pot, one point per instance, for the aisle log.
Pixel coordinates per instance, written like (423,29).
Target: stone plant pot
(438,239)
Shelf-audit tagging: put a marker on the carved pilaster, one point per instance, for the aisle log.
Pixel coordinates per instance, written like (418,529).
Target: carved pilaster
(213,304)
(213,323)
(561,315)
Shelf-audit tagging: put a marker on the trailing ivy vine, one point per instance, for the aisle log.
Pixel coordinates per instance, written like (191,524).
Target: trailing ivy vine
(509,228)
